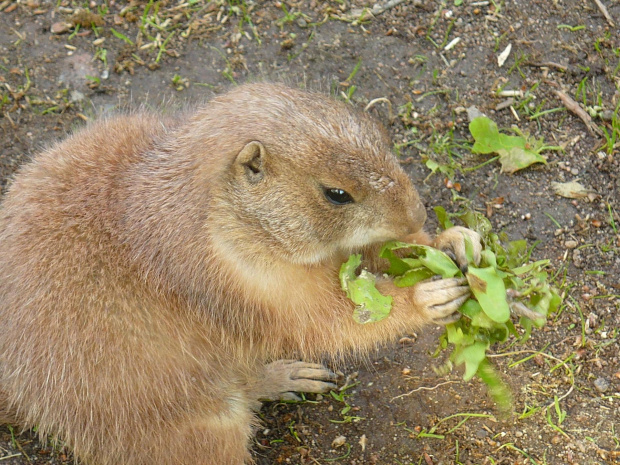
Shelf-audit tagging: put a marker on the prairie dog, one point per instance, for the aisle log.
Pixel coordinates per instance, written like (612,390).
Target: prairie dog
(154,270)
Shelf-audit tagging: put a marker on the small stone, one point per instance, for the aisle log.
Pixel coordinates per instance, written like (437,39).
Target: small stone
(473,112)
(302,22)
(76,96)
(592,321)
(519,434)
(556,439)
(339,441)
(574,171)
(60,27)
(601,384)
(363,442)
(571,244)
(607,115)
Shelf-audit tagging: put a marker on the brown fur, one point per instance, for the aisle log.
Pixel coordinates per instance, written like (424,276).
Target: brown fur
(150,267)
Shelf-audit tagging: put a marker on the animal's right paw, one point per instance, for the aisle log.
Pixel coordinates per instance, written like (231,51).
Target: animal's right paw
(285,377)
(440,300)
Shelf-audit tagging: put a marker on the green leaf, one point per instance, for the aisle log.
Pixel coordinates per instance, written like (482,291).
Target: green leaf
(460,334)
(433,259)
(347,271)
(443,218)
(454,334)
(489,290)
(515,152)
(471,356)
(432,165)
(471,308)
(488,258)
(413,276)
(499,333)
(529,267)
(372,306)
(498,389)
(489,139)
(436,261)
(398,266)
(481,320)
(476,221)
(518,158)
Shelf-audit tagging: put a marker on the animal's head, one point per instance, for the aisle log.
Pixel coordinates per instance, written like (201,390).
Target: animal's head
(306,176)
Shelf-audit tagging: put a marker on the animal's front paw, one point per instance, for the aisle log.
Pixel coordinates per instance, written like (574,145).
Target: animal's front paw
(440,300)
(285,377)
(454,241)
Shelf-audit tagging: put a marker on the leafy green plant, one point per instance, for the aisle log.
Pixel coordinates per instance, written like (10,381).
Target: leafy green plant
(515,152)
(341,396)
(504,282)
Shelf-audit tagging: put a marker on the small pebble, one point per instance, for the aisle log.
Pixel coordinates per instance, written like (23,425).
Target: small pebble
(571,244)
(473,112)
(76,96)
(60,27)
(601,384)
(339,441)
(607,115)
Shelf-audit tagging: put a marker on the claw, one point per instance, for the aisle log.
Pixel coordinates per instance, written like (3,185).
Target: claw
(284,377)
(454,239)
(442,299)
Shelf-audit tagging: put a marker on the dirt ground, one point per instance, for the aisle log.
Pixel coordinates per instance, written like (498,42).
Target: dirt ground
(64,62)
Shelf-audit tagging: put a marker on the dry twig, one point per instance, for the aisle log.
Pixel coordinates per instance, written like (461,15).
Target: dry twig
(577,110)
(422,388)
(603,9)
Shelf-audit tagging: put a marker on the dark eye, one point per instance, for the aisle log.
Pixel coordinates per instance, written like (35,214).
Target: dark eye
(337,196)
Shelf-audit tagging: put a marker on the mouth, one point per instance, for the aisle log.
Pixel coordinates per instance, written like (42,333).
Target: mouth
(363,237)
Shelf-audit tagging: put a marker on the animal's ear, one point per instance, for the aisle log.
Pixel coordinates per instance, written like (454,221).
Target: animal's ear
(251,161)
